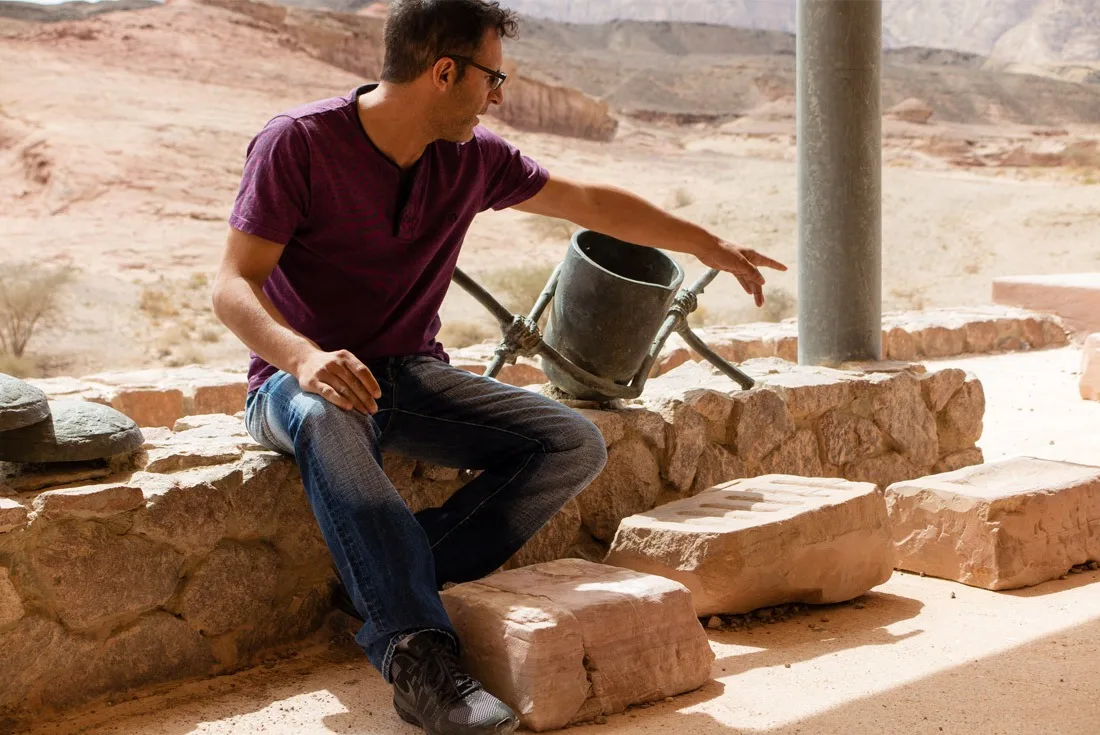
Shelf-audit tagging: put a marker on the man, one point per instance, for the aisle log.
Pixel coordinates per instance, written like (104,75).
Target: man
(343,239)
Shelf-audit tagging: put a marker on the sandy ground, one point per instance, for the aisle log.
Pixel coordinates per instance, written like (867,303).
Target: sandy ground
(916,656)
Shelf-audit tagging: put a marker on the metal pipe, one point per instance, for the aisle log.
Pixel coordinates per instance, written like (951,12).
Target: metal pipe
(715,359)
(839,181)
(485,298)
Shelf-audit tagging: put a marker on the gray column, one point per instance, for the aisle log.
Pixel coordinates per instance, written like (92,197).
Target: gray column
(839,181)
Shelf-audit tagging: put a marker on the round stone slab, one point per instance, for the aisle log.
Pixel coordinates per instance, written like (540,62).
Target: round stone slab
(76,431)
(21,404)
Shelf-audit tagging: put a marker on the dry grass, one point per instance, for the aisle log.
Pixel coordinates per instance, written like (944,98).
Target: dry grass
(546,229)
(19,367)
(680,198)
(779,304)
(518,287)
(459,334)
(28,301)
(158,303)
(912,298)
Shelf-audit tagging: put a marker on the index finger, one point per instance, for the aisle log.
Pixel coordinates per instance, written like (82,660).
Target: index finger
(760,259)
(363,374)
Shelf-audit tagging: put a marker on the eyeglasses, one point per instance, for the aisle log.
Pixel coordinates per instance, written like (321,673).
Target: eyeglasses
(498,77)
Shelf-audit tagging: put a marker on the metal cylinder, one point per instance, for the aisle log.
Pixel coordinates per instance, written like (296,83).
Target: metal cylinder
(611,300)
(839,181)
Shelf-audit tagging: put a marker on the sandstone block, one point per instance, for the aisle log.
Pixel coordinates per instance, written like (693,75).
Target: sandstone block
(1090,369)
(883,470)
(149,406)
(847,438)
(688,433)
(12,515)
(938,387)
(75,431)
(569,641)
(188,510)
(89,501)
(641,423)
(1002,525)
(94,576)
(21,404)
(234,587)
(898,408)
(957,460)
(610,424)
(717,464)
(764,541)
(798,455)
(959,424)
(34,654)
(760,421)
(11,605)
(553,540)
(157,648)
(810,392)
(629,484)
(221,397)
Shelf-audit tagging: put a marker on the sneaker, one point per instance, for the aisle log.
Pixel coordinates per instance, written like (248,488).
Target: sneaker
(432,691)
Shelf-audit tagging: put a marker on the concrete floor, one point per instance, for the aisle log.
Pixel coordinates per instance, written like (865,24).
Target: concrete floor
(917,655)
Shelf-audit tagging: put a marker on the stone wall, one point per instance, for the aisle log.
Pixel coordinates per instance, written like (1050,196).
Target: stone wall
(199,554)
(159,397)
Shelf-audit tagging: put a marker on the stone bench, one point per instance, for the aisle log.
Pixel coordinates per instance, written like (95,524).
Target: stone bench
(1008,524)
(765,541)
(140,559)
(1075,297)
(569,641)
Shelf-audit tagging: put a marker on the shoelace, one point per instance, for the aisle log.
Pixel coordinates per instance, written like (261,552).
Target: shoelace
(450,666)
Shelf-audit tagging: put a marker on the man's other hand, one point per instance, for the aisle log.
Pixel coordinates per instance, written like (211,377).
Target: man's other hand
(341,379)
(744,264)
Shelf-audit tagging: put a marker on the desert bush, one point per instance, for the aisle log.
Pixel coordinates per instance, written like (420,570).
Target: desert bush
(28,301)
(779,304)
(680,198)
(518,287)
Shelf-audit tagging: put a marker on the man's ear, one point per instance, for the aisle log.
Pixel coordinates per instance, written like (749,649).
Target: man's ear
(444,73)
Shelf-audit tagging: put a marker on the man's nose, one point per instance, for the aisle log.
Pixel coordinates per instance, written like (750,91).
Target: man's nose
(497,96)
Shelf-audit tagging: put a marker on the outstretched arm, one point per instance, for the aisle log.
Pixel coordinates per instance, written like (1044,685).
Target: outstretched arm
(620,214)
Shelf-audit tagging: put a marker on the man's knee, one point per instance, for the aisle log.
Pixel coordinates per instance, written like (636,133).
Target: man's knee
(320,419)
(590,447)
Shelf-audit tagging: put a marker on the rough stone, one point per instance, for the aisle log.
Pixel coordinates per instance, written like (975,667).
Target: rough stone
(76,431)
(34,656)
(610,424)
(898,408)
(150,406)
(211,425)
(188,510)
(641,423)
(810,392)
(883,470)
(253,502)
(798,455)
(938,387)
(571,641)
(689,435)
(958,460)
(960,422)
(898,344)
(846,438)
(94,576)
(760,421)
(629,484)
(21,404)
(1002,525)
(12,515)
(157,648)
(553,541)
(940,341)
(1090,368)
(11,605)
(717,464)
(234,587)
(293,618)
(476,358)
(764,541)
(89,501)
(28,478)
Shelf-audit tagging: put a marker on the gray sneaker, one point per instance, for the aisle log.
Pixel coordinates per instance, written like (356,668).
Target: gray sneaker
(432,691)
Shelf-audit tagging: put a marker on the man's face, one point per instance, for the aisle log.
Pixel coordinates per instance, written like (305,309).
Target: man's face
(470,98)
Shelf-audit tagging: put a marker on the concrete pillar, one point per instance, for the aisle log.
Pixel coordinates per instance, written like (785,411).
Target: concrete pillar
(839,181)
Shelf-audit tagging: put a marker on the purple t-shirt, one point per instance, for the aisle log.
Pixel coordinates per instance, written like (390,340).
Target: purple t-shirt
(357,274)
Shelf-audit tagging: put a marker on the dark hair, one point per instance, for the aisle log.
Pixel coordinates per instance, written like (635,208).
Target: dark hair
(419,32)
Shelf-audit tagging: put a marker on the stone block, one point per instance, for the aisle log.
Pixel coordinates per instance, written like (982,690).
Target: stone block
(149,406)
(717,464)
(89,501)
(12,515)
(955,461)
(810,392)
(896,404)
(21,404)
(629,484)
(764,541)
(234,587)
(1075,297)
(157,648)
(760,421)
(1002,525)
(95,577)
(1090,368)
(798,455)
(226,397)
(570,641)
(883,470)
(847,438)
(959,424)
(938,387)
(11,605)
(75,431)
(34,657)
(610,423)
(188,510)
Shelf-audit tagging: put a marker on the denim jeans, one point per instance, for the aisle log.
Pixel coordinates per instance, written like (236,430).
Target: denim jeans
(534,455)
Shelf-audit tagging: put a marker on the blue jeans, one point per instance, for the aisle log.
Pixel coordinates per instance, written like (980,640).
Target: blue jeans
(534,454)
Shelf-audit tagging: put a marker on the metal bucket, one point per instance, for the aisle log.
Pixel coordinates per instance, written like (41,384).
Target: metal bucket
(611,300)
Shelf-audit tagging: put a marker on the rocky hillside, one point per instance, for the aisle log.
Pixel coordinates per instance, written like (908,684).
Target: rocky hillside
(1013,30)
